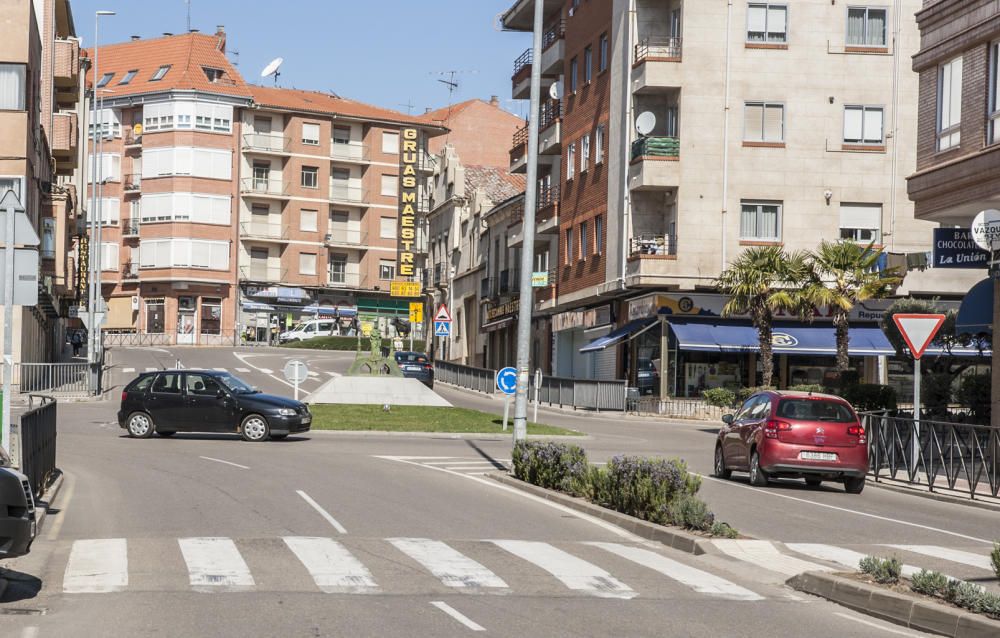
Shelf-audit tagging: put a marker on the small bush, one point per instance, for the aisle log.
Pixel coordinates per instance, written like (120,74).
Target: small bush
(930,583)
(691,512)
(642,487)
(719,397)
(745,393)
(868,397)
(967,595)
(995,558)
(936,392)
(556,466)
(885,571)
(723,530)
(807,387)
(974,393)
(348,344)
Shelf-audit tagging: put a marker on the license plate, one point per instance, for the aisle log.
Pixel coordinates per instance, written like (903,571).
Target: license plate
(413,368)
(818,456)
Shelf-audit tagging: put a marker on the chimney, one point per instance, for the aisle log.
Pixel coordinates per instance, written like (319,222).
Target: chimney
(220,35)
(427,110)
(167,34)
(495,101)
(135,38)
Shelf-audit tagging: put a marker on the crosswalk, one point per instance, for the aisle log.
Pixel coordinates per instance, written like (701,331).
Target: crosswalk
(473,466)
(313,374)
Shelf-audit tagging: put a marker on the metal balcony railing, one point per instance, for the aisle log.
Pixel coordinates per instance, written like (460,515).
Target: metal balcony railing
(344,193)
(345,279)
(132,183)
(653,244)
(263,230)
(553,33)
(548,197)
(349,152)
(131,139)
(265,142)
(551,111)
(262,273)
(345,237)
(656,147)
(263,186)
(658,47)
(520,136)
(523,61)
(130,270)
(130,228)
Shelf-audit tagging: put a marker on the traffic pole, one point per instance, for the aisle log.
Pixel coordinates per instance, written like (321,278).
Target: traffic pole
(916,418)
(506,410)
(8,328)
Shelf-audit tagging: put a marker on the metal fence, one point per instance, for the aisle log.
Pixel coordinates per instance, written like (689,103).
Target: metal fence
(38,443)
(934,455)
(478,379)
(583,393)
(66,379)
(678,408)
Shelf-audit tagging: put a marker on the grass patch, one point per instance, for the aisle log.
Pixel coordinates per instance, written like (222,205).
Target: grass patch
(415,418)
(348,344)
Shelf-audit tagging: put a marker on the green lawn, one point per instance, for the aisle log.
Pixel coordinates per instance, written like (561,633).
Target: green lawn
(411,418)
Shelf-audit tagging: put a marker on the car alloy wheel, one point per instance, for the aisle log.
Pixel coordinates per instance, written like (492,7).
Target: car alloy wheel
(254,428)
(720,464)
(757,476)
(140,426)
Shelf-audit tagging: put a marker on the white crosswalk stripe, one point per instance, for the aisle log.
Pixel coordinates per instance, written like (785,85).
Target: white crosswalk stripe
(243,369)
(840,555)
(334,569)
(265,370)
(948,554)
(97,566)
(215,564)
(151,369)
(453,568)
(575,573)
(765,554)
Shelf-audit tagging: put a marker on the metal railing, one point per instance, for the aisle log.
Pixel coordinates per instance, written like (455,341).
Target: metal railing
(263,230)
(131,337)
(478,379)
(263,186)
(653,244)
(349,152)
(130,270)
(523,61)
(131,139)
(520,137)
(262,273)
(346,279)
(548,196)
(342,193)
(656,146)
(553,33)
(934,455)
(591,394)
(38,443)
(551,111)
(132,183)
(67,379)
(345,237)
(677,408)
(130,227)
(658,47)
(267,142)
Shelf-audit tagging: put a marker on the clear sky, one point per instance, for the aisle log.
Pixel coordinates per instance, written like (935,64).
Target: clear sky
(386,52)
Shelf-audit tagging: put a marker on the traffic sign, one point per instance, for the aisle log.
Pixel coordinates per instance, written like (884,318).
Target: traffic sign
(404,289)
(416,312)
(24,232)
(98,319)
(986,229)
(507,380)
(25,277)
(296,371)
(442,328)
(918,330)
(442,314)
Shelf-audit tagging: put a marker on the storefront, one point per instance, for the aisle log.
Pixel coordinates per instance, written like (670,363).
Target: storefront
(500,327)
(192,315)
(571,332)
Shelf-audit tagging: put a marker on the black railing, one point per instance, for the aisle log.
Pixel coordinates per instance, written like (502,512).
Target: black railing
(551,111)
(523,61)
(38,444)
(555,32)
(130,227)
(548,197)
(520,136)
(131,270)
(656,146)
(133,183)
(653,244)
(658,47)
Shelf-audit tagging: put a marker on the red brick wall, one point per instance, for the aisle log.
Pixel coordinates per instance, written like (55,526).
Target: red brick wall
(481,133)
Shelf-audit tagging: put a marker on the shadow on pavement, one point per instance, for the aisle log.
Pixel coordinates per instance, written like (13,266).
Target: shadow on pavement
(486,455)
(19,586)
(197,436)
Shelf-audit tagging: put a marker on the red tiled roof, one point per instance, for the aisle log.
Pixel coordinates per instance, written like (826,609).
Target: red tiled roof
(496,183)
(441,116)
(316,102)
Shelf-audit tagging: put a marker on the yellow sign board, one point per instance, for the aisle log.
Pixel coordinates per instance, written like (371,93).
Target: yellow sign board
(404,289)
(366,328)
(416,312)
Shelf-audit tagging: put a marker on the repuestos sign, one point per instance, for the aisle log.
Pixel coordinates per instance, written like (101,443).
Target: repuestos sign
(408,189)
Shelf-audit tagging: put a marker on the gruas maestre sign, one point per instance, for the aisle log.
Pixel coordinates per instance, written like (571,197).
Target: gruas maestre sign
(408,190)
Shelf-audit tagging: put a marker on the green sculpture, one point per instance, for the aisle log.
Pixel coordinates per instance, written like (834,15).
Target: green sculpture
(372,363)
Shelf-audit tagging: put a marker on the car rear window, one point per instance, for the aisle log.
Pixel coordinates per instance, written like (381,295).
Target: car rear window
(815,410)
(410,357)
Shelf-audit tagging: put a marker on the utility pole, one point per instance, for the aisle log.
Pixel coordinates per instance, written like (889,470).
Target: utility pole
(8,321)
(528,245)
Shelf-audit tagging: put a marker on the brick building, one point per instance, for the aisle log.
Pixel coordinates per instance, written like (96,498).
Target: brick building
(480,131)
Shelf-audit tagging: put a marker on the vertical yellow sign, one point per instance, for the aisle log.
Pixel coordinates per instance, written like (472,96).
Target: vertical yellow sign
(416,312)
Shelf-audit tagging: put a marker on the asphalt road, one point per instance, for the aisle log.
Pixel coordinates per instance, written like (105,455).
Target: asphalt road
(347,535)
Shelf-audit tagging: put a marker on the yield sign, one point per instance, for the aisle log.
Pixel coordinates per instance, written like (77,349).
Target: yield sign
(918,331)
(442,313)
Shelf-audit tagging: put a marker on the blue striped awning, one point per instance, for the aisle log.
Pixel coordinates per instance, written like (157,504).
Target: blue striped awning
(787,338)
(613,338)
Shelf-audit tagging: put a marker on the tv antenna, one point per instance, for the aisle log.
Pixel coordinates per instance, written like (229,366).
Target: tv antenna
(235,55)
(272,69)
(409,106)
(188,3)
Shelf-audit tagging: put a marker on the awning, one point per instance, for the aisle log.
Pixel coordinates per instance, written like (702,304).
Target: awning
(284,294)
(500,323)
(786,338)
(626,332)
(975,315)
(328,311)
(256,306)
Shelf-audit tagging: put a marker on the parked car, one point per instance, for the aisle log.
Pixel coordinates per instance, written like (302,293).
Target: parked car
(171,401)
(813,436)
(17,505)
(308,330)
(647,377)
(416,365)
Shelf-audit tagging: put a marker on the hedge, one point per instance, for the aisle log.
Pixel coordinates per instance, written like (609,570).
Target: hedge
(348,344)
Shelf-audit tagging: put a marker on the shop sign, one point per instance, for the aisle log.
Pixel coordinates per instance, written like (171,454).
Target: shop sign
(496,313)
(540,279)
(583,318)
(708,305)
(404,288)
(408,189)
(957,248)
(82,268)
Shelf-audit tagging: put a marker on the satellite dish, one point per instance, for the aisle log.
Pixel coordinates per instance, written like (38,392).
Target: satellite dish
(645,122)
(556,90)
(272,69)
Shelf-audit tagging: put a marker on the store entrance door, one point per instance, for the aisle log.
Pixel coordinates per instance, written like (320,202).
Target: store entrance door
(185,321)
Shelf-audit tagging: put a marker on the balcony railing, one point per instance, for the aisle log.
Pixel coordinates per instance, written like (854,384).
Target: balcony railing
(658,48)
(523,61)
(510,281)
(67,62)
(344,279)
(130,270)
(426,162)
(548,197)
(263,273)
(349,151)
(265,142)
(130,228)
(344,237)
(131,139)
(132,183)
(656,147)
(263,186)
(555,31)
(343,193)
(551,111)
(263,230)
(520,136)
(653,244)
(64,133)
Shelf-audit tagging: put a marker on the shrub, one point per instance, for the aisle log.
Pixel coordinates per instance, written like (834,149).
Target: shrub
(995,558)
(807,387)
(691,512)
(884,570)
(719,397)
(348,344)
(867,397)
(724,530)
(744,393)
(936,392)
(551,465)
(974,393)
(930,583)
(967,595)
(642,487)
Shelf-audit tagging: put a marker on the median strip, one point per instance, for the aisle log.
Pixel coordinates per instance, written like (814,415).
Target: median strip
(415,418)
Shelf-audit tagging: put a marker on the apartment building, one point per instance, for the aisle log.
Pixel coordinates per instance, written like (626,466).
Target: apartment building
(480,130)
(958,145)
(688,131)
(231,210)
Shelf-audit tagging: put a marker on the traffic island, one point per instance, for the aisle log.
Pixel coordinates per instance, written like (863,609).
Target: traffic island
(417,419)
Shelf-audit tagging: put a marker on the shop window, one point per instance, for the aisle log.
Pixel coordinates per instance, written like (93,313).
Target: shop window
(211,316)
(154,316)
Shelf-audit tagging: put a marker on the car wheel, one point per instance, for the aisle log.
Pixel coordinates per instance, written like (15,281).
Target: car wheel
(278,437)
(140,425)
(166,432)
(758,477)
(720,464)
(813,481)
(854,485)
(254,428)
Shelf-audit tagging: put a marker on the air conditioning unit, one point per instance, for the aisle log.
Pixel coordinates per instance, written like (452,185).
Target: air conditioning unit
(135,302)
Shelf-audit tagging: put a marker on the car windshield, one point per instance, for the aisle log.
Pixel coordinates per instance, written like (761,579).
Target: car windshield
(235,385)
(815,410)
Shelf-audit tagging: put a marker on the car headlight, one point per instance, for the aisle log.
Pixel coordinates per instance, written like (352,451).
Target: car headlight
(286,412)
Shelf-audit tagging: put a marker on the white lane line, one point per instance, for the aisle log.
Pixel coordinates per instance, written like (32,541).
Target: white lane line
(64,497)
(698,580)
(322,512)
(874,625)
(243,369)
(220,370)
(266,370)
(215,564)
(334,569)
(575,573)
(453,568)
(469,461)
(313,373)
(29,632)
(765,554)
(209,458)
(457,615)
(948,554)
(128,370)
(840,555)
(243,359)
(151,369)
(97,566)
(844,509)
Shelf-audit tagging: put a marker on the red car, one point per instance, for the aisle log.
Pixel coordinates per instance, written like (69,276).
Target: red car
(813,436)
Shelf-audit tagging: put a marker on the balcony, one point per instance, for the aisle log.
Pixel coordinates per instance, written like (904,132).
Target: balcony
(661,245)
(519,151)
(264,232)
(130,228)
(656,64)
(553,47)
(263,187)
(426,163)
(262,273)
(64,140)
(130,272)
(344,237)
(66,70)
(549,128)
(652,258)
(521,78)
(654,163)
(341,279)
(510,281)
(547,215)
(349,152)
(132,184)
(266,143)
(344,194)
(131,140)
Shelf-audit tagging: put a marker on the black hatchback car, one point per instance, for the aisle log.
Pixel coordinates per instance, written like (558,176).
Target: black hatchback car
(171,401)
(416,365)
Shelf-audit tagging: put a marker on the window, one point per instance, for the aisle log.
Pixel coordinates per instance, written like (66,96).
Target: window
(949,107)
(307,220)
(211,163)
(198,208)
(307,263)
(866,27)
(109,210)
(184,253)
(341,134)
(168,383)
(201,384)
(211,316)
(182,113)
(108,168)
(310,134)
(572,75)
(12,87)
(994,97)
(599,235)
(48,249)
(154,316)
(310,177)
(570,160)
(767,22)
(584,153)
(602,64)
(390,142)
(340,174)
(390,184)
(387,228)
(160,72)
(105,79)
(386,269)
(763,122)
(599,144)
(863,125)
(583,240)
(760,221)
(107,122)
(338,268)
(861,222)
(128,77)
(213,75)
(569,246)
(109,257)
(588,65)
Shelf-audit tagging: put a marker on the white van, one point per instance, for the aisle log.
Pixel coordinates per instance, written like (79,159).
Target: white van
(308,329)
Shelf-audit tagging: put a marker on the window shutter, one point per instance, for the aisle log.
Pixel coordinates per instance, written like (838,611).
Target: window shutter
(955,90)
(852,124)
(753,117)
(774,123)
(776,19)
(756,18)
(873,125)
(861,216)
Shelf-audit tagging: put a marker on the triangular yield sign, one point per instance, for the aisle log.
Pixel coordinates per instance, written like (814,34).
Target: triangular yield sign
(442,313)
(918,331)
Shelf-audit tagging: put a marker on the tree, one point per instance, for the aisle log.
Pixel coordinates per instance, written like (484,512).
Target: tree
(844,274)
(761,281)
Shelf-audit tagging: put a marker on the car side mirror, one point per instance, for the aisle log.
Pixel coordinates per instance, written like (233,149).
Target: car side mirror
(727,419)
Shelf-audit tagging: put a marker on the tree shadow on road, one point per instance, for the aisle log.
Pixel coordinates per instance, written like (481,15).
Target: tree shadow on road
(486,455)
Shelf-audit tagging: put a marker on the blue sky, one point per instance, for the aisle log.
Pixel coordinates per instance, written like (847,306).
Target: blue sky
(386,52)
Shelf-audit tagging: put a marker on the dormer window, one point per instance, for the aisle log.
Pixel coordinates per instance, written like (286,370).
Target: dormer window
(105,79)
(160,72)
(213,75)
(128,77)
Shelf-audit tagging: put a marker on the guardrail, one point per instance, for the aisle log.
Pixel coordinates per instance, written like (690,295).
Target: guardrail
(478,379)
(677,408)
(583,393)
(656,146)
(67,379)
(38,443)
(934,455)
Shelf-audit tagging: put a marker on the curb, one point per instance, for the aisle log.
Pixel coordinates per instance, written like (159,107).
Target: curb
(676,539)
(49,495)
(935,496)
(446,435)
(901,609)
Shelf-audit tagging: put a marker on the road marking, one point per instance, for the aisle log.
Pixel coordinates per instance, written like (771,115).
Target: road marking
(334,569)
(946,553)
(454,613)
(243,369)
(874,625)
(269,371)
(29,632)
(97,566)
(698,580)
(453,568)
(765,554)
(469,461)
(243,359)
(220,370)
(209,458)
(574,572)
(128,370)
(67,496)
(214,564)
(151,369)
(840,555)
(322,512)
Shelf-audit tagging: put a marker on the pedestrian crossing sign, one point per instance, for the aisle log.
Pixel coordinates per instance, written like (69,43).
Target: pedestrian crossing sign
(442,328)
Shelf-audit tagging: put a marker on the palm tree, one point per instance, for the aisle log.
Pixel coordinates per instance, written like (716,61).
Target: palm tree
(761,281)
(844,274)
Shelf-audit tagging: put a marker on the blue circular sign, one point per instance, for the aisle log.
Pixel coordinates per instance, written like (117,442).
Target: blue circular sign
(507,380)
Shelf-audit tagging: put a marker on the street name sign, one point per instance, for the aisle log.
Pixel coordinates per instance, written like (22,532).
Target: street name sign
(918,330)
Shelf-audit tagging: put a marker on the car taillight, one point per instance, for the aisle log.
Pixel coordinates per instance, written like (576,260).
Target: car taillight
(428,366)
(772,428)
(858,431)
(124,395)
